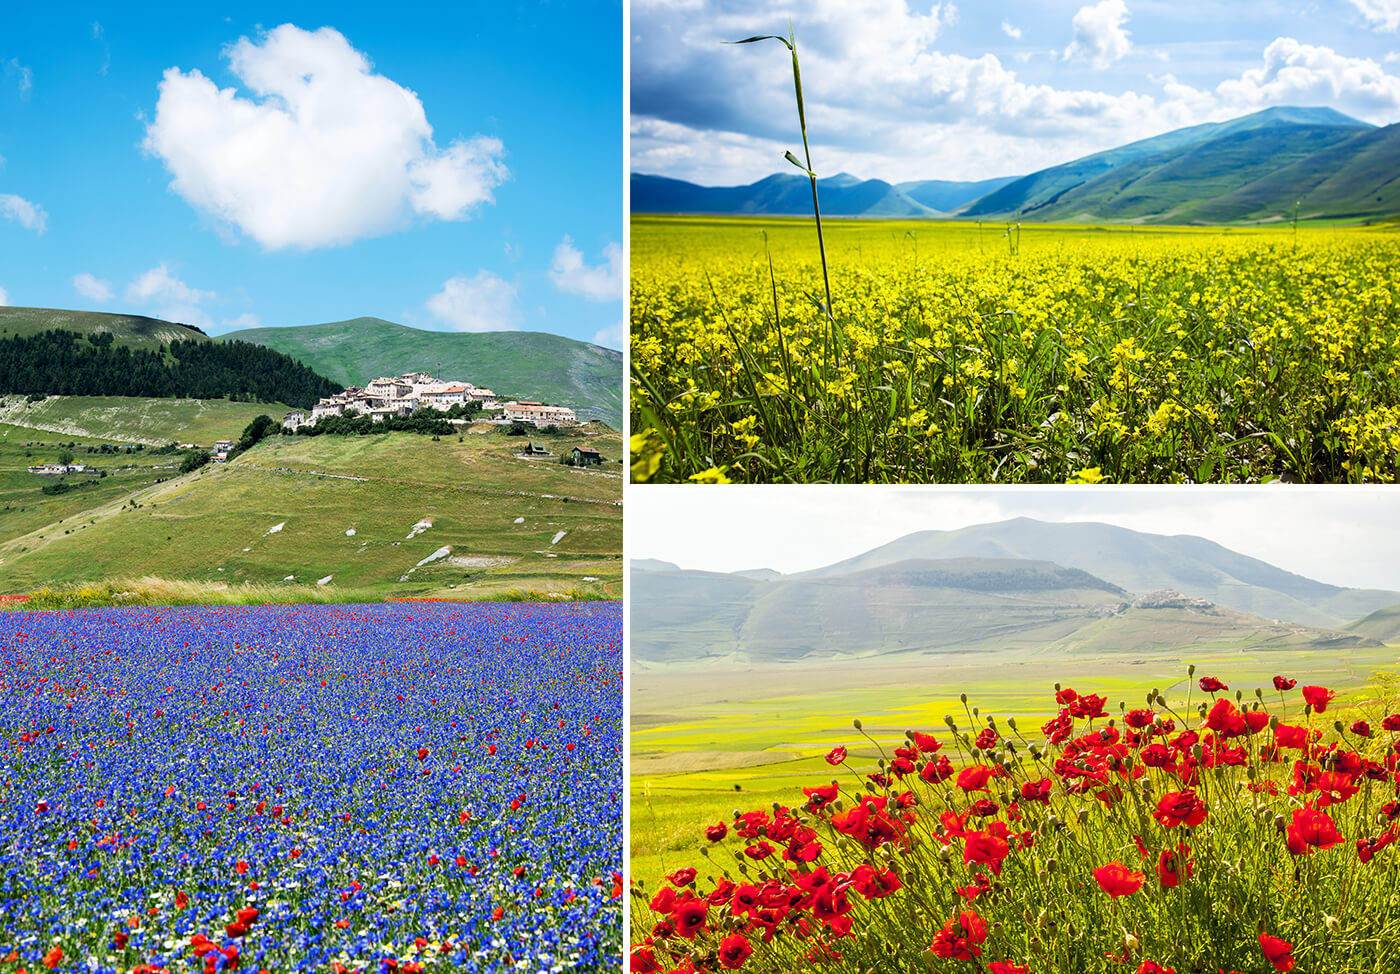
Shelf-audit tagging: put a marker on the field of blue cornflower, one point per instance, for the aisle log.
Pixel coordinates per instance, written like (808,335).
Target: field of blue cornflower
(386,788)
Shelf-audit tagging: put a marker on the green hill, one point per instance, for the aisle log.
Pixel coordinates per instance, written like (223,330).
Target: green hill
(297,510)
(1140,562)
(1382,625)
(134,331)
(535,365)
(1081,186)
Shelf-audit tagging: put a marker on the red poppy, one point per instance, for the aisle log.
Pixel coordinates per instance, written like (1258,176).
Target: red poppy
(974,778)
(688,917)
(1152,967)
(682,877)
(716,832)
(1282,683)
(1318,697)
(1210,684)
(734,950)
(961,937)
(1180,808)
(1116,879)
(1361,729)
(1277,952)
(1311,829)
(1172,864)
(985,848)
(926,743)
(1006,967)
(836,755)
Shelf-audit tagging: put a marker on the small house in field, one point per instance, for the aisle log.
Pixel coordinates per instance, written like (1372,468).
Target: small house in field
(585,456)
(223,446)
(535,450)
(294,419)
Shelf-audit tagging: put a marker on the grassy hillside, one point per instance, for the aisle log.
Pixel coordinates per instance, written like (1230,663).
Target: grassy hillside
(1041,192)
(119,419)
(1382,625)
(533,365)
(351,508)
(136,331)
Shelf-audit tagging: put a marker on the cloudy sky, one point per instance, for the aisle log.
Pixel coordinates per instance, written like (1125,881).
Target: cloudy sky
(454,170)
(909,89)
(1344,535)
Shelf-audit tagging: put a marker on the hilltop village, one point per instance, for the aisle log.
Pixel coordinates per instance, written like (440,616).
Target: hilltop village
(412,391)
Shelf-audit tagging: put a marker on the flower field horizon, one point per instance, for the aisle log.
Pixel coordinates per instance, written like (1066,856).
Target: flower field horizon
(957,352)
(369,788)
(1238,830)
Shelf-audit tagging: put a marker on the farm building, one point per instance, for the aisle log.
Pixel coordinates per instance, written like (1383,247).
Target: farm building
(538,413)
(585,456)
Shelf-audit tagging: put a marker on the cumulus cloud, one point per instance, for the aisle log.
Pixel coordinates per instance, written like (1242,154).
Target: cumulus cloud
(569,272)
(92,288)
(1294,73)
(612,337)
(483,302)
(884,101)
(1099,37)
(245,320)
(170,297)
(29,215)
(321,152)
(4,298)
(1383,15)
(1012,32)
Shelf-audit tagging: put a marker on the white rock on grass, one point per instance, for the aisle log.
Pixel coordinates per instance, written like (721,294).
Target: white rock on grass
(419,528)
(559,537)
(324,581)
(290,578)
(276,527)
(520,520)
(442,552)
(350,533)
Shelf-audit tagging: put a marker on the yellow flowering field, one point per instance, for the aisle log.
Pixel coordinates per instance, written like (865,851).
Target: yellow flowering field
(959,352)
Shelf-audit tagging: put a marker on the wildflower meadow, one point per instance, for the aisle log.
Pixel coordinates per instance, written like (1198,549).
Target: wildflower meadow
(956,352)
(1237,830)
(379,788)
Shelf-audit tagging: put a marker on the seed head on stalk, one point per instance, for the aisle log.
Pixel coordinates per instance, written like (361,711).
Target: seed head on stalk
(790,42)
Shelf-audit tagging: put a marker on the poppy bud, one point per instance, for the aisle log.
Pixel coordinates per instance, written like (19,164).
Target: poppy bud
(1280,823)
(1191,670)
(963,697)
(1011,722)
(856,723)
(1129,942)
(1050,864)
(1332,923)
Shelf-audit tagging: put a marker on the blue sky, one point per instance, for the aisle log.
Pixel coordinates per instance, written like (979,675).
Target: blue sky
(451,169)
(912,89)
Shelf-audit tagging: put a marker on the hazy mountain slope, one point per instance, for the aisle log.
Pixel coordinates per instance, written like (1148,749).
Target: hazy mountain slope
(528,364)
(1140,562)
(781,194)
(973,604)
(1382,625)
(947,195)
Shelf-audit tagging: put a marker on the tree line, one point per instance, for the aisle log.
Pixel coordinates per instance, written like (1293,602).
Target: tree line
(65,363)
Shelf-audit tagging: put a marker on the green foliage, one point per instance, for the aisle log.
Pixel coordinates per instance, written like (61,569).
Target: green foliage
(67,363)
(194,459)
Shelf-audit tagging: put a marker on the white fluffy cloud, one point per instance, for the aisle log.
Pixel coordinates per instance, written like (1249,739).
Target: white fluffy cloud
(1010,31)
(4,297)
(324,151)
(1099,37)
(613,336)
(483,302)
(29,215)
(571,273)
(1294,73)
(1383,15)
(883,100)
(245,320)
(169,297)
(24,76)
(93,288)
